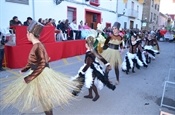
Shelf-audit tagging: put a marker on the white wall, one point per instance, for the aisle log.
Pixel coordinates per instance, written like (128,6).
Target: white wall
(60,11)
(125,18)
(48,9)
(109,4)
(8,10)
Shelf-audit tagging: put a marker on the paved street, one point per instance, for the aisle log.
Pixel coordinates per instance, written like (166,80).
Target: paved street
(138,93)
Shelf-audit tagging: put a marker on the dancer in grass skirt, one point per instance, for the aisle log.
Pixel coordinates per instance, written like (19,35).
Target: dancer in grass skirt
(112,46)
(42,89)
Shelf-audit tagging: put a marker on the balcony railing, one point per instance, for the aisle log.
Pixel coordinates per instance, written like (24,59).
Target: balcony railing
(132,13)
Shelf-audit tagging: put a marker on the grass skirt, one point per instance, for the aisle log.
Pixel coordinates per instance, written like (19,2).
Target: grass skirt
(48,90)
(112,56)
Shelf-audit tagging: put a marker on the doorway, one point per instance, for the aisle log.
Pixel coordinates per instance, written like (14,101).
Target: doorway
(92,18)
(131,24)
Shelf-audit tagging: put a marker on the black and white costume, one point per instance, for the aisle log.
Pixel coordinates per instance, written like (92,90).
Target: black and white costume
(131,59)
(91,73)
(141,53)
(151,47)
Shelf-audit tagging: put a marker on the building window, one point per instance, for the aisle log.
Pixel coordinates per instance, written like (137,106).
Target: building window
(151,17)
(94,18)
(19,1)
(131,24)
(154,17)
(94,2)
(132,6)
(136,26)
(137,9)
(108,25)
(157,20)
(125,25)
(152,3)
(126,5)
(71,13)
(157,7)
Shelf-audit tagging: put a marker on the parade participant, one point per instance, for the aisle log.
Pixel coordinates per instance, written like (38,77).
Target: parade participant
(100,38)
(131,59)
(112,48)
(141,53)
(163,31)
(92,72)
(2,45)
(151,46)
(126,38)
(42,89)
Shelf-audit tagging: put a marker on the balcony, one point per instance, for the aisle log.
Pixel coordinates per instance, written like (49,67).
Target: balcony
(131,13)
(94,2)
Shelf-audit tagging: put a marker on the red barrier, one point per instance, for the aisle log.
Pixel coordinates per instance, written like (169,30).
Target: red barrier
(16,56)
(73,47)
(47,35)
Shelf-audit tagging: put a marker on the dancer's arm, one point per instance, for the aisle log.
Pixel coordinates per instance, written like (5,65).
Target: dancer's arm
(107,64)
(88,62)
(41,63)
(106,42)
(26,68)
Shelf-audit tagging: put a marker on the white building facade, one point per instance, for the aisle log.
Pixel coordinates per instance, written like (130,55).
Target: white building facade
(130,14)
(90,11)
(162,20)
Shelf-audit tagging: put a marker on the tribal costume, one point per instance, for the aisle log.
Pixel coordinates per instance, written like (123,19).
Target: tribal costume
(131,59)
(92,72)
(112,46)
(42,89)
(151,47)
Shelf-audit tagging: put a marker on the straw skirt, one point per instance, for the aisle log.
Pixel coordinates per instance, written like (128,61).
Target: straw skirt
(112,56)
(48,90)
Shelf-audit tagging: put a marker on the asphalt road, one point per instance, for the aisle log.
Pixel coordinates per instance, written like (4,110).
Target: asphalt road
(138,93)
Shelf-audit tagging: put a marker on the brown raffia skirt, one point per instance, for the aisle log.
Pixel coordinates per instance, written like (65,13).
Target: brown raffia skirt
(112,56)
(48,90)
